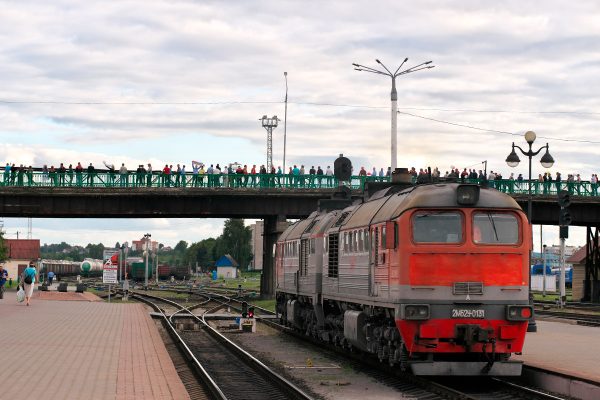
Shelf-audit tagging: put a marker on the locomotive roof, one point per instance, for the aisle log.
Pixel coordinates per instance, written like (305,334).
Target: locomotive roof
(422,196)
(386,207)
(315,223)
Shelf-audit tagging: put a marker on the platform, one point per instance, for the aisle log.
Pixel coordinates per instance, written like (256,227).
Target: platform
(83,350)
(565,348)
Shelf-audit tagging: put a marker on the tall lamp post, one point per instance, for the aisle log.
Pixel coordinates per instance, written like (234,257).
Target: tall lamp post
(146,242)
(547,161)
(284,121)
(394,95)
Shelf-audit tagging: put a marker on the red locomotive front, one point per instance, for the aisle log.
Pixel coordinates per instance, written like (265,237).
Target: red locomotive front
(471,264)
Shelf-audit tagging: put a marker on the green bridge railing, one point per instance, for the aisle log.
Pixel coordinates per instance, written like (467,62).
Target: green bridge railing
(25,178)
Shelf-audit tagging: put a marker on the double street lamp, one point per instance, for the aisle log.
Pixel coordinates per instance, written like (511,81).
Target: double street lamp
(547,161)
(394,95)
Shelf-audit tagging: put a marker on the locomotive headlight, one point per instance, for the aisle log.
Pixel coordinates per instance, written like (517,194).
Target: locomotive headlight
(519,313)
(417,312)
(467,195)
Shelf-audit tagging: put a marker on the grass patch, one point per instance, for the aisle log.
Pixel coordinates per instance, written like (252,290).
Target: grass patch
(267,304)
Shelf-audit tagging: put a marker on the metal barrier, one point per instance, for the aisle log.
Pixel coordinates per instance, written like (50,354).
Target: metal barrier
(24,178)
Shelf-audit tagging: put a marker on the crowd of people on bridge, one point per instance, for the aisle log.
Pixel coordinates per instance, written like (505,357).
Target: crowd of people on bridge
(237,175)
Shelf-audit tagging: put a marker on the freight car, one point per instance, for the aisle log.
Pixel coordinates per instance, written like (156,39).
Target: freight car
(61,267)
(432,278)
(90,266)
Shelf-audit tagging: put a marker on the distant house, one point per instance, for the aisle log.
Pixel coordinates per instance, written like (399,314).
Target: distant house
(19,253)
(226,267)
(578,261)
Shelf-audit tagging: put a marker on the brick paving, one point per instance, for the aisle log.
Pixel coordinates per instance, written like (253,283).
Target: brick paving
(83,350)
(565,348)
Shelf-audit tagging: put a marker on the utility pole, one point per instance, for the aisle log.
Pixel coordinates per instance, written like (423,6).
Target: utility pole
(285,121)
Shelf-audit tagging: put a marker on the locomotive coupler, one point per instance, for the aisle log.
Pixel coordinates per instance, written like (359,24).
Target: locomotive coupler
(470,334)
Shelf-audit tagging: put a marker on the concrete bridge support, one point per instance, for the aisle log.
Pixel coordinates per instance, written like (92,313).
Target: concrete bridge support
(591,284)
(273,227)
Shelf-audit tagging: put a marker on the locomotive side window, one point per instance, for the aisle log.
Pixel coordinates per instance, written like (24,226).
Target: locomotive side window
(437,227)
(495,228)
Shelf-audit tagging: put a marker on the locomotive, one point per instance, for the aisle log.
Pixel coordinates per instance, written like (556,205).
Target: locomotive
(431,278)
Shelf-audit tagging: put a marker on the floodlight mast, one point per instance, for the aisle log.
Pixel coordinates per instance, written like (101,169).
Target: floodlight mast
(393,96)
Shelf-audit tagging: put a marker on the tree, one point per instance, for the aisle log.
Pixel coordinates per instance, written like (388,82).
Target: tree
(235,241)
(95,250)
(181,246)
(202,253)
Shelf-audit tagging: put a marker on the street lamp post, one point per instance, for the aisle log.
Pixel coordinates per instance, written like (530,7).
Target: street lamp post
(547,161)
(285,120)
(147,241)
(393,95)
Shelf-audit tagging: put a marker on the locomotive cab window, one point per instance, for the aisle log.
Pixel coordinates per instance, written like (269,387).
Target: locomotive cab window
(495,228)
(437,227)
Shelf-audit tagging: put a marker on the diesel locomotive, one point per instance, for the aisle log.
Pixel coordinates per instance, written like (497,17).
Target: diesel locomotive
(431,278)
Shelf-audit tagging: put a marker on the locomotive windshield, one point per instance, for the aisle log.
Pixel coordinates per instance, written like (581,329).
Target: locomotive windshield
(437,227)
(495,228)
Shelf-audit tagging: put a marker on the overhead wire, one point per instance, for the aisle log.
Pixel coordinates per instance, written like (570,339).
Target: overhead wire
(494,130)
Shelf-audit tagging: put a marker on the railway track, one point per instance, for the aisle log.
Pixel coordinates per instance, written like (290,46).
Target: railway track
(414,387)
(579,318)
(227,371)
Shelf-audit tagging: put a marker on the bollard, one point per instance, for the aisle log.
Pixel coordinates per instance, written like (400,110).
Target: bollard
(80,288)
(62,287)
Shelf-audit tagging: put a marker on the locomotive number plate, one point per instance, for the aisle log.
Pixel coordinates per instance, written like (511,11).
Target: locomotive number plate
(467,313)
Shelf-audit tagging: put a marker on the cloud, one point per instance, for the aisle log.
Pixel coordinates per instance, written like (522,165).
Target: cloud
(512,56)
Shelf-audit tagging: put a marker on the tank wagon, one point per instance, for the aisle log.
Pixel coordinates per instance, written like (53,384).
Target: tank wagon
(430,278)
(91,266)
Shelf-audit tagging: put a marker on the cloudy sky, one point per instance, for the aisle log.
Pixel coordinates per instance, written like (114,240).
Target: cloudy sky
(169,82)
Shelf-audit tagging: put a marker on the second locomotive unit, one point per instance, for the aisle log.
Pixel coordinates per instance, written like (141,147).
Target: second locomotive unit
(432,278)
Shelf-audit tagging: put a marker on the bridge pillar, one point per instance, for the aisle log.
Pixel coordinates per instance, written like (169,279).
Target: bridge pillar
(273,227)
(591,284)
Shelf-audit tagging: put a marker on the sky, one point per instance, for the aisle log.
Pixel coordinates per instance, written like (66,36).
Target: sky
(174,81)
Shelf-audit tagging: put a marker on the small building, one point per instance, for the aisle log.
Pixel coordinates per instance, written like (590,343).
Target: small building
(578,261)
(226,267)
(19,253)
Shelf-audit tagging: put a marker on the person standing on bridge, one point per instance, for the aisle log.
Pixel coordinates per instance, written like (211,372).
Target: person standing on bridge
(90,175)
(329,174)
(319,175)
(149,175)
(123,175)
(70,173)
(78,174)
(182,175)
(6,174)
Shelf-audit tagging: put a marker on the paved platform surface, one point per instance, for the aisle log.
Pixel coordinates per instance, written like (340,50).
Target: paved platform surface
(565,348)
(83,350)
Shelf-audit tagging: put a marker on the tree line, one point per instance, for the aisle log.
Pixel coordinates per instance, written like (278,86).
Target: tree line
(234,240)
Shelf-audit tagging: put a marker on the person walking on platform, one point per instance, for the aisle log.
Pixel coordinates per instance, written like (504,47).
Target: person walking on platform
(50,278)
(3,277)
(28,281)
